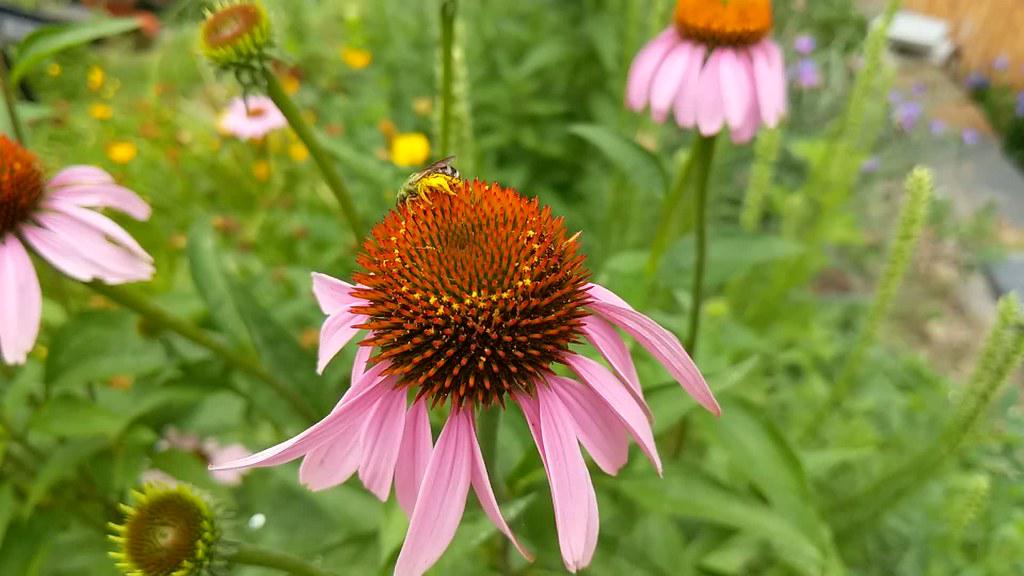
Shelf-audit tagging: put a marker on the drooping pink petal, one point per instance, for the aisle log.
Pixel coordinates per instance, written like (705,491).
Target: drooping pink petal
(413,455)
(746,131)
(485,495)
(770,77)
(710,104)
(645,64)
(531,412)
(333,462)
(348,414)
(661,343)
(101,224)
(686,99)
(332,294)
(607,341)
(112,262)
(441,500)
(737,93)
(619,401)
(382,438)
(61,254)
(361,362)
(105,195)
(81,175)
(668,79)
(572,491)
(599,429)
(21,301)
(336,332)
(218,453)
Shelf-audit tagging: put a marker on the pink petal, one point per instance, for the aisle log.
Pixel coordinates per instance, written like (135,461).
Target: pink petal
(770,77)
(746,131)
(531,412)
(333,295)
(710,105)
(61,254)
(112,263)
(572,491)
(599,429)
(21,301)
(667,80)
(686,100)
(347,415)
(646,62)
(96,195)
(333,462)
(619,401)
(485,495)
(336,332)
(442,498)
(382,438)
(607,341)
(661,343)
(413,455)
(361,362)
(101,224)
(81,174)
(736,89)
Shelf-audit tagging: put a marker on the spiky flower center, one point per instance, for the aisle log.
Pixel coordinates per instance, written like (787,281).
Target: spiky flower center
(472,294)
(237,33)
(229,24)
(724,22)
(168,531)
(21,184)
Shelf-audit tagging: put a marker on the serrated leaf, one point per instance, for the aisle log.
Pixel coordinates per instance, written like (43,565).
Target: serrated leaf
(639,165)
(98,345)
(50,40)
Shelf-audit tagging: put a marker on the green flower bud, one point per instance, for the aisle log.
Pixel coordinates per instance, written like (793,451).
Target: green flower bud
(236,35)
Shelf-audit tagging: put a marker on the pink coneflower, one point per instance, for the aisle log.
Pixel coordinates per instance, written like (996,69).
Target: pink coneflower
(209,450)
(715,67)
(55,220)
(252,118)
(469,298)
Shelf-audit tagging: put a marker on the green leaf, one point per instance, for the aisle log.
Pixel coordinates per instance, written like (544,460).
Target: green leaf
(636,162)
(730,254)
(689,494)
(98,345)
(212,282)
(50,40)
(8,506)
(74,417)
(60,464)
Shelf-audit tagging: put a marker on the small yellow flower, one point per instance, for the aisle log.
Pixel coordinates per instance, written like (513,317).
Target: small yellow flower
(122,151)
(410,149)
(298,151)
(94,79)
(54,69)
(261,170)
(423,106)
(717,308)
(290,83)
(356,58)
(101,111)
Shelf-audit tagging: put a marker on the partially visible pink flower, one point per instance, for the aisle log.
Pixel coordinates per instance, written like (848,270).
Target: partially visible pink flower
(469,300)
(252,118)
(715,68)
(58,220)
(209,450)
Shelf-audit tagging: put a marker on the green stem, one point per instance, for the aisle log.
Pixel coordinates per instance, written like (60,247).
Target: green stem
(196,335)
(316,150)
(9,101)
(703,156)
(253,556)
(448,9)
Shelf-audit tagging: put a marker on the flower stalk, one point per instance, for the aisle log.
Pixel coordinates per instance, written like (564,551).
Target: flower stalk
(196,335)
(312,142)
(1001,354)
(9,103)
(253,556)
(703,156)
(919,187)
(448,11)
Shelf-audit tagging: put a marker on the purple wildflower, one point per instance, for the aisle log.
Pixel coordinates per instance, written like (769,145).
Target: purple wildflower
(977,81)
(937,127)
(970,136)
(871,165)
(807,74)
(1001,63)
(907,114)
(805,44)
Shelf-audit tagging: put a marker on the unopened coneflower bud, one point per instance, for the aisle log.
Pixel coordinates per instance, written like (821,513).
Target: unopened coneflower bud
(236,35)
(166,531)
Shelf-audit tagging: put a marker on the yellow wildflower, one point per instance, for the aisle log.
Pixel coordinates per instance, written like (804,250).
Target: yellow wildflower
(423,106)
(122,151)
(290,84)
(298,152)
(101,111)
(410,149)
(94,79)
(54,69)
(356,58)
(261,170)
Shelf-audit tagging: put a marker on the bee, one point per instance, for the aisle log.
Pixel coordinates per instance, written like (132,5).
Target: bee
(440,176)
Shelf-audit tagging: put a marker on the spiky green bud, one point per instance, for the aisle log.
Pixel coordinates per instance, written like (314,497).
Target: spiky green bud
(166,531)
(236,35)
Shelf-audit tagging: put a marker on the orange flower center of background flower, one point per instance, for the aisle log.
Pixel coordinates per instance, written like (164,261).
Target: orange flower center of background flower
(727,22)
(229,24)
(471,295)
(255,112)
(21,184)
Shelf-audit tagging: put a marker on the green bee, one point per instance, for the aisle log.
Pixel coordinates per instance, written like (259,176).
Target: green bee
(440,176)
